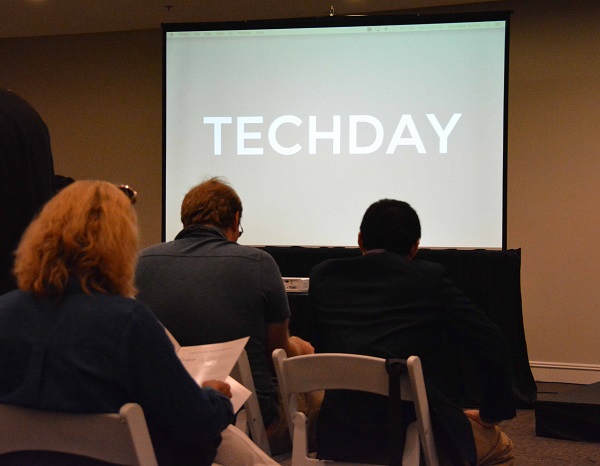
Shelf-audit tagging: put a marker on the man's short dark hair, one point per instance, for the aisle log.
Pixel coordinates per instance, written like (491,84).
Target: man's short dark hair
(391,225)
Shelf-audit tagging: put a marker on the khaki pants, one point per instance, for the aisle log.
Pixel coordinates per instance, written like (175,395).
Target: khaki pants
(493,446)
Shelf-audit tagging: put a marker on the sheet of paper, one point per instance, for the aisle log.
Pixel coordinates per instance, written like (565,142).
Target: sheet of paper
(214,362)
(239,393)
(211,362)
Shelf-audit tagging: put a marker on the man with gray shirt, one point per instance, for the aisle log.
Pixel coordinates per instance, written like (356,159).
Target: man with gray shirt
(206,288)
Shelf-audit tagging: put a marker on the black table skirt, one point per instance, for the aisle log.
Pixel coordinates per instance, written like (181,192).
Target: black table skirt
(492,279)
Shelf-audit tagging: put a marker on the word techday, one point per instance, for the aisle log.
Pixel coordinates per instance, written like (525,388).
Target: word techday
(405,124)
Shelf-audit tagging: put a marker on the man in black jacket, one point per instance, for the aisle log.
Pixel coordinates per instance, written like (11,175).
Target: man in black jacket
(389,305)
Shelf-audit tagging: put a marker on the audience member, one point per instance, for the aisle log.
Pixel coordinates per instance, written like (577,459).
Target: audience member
(26,168)
(387,304)
(73,339)
(60,182)
(206,288)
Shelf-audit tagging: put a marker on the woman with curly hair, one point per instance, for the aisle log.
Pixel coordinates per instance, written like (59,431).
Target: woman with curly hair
(73,338)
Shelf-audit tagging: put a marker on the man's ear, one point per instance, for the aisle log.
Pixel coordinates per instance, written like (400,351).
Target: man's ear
(360,242)
(414,250)
(232,232)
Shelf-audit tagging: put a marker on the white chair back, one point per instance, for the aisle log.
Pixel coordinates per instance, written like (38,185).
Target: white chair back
(328,371)
(121,438)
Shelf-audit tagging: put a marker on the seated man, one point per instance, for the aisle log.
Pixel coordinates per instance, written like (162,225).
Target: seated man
(205,288)
(388,305)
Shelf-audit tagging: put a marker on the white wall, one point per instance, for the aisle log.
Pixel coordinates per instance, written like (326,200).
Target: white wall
(101,97)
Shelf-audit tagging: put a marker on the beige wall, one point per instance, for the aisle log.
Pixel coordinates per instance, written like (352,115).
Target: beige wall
(553,186)
(101,97)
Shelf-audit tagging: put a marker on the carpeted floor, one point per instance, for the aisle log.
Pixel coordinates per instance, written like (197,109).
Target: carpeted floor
(531,450)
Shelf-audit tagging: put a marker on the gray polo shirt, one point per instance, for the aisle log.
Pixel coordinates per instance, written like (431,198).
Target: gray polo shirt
(207,289)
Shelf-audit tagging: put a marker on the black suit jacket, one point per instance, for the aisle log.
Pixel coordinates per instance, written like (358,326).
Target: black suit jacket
(384,305)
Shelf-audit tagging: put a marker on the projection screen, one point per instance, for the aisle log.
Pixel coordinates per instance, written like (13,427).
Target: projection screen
(313,120)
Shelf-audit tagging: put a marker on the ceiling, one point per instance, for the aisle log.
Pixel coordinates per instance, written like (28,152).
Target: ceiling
(26,18)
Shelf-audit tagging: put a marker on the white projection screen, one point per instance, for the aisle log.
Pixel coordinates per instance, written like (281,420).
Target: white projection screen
(313,120)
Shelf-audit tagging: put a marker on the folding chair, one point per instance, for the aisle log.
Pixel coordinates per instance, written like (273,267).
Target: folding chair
(249,418)
(328,371)
(121,438)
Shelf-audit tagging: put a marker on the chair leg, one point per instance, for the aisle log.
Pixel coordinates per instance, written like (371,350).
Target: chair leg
(241,421)
(412,447)
(300,453)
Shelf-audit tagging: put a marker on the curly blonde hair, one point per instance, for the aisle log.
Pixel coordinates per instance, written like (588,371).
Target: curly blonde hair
(88,232)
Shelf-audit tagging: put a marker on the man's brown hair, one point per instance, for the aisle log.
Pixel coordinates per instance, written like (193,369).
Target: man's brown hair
(213,202)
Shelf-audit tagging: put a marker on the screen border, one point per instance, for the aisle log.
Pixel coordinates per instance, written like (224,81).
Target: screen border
(345,21)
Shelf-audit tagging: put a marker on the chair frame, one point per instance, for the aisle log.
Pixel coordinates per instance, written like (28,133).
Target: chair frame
(121,438)
(249,419)
(329,371)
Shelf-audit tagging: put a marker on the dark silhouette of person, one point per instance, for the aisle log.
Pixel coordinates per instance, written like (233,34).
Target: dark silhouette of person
(26,171)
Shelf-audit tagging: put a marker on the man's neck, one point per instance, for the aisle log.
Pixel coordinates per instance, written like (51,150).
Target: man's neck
(374,251)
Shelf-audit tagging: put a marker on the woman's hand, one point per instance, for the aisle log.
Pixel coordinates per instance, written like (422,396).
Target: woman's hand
(219,386)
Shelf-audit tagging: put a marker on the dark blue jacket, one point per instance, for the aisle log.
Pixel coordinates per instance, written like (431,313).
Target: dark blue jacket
(92,354)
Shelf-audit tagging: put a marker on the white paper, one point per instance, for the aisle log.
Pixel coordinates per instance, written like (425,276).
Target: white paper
(214,362)
(211,362)
(239,393)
